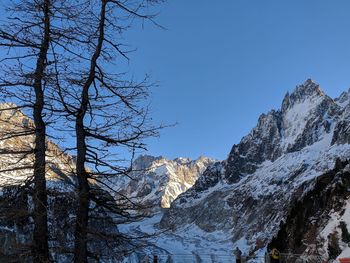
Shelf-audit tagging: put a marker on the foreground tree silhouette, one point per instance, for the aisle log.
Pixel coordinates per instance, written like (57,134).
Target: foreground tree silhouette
(61,61)
(27,37)
(110,115)
(128,120)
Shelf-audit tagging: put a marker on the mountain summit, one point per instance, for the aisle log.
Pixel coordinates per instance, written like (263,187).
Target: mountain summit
(305,116)
(286,184)
(308,89)
(272,167)
(157,181)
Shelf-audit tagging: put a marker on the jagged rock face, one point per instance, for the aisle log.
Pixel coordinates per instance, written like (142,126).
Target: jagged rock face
(157,181)
(305,115)
(16,133)
(342,128)
(276,163)
(343,99)
(256,147)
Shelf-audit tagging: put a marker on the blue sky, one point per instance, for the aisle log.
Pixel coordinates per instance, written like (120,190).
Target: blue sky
(220,64)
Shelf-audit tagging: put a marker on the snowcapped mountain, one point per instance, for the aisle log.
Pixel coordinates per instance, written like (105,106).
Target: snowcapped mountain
(16,170)
(16,158)
(285,184)
(243,199)
(157,181)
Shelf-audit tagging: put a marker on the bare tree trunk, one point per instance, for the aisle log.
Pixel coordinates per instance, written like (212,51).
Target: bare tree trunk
(40,236)
(80,249)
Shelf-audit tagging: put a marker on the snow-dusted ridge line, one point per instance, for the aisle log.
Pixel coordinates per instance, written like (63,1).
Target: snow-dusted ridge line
(211,206)
(158,181)
(248,194)
(59,165)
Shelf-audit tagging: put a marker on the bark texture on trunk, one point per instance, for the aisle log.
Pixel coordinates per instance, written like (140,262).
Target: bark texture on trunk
(81,230)
(40,235)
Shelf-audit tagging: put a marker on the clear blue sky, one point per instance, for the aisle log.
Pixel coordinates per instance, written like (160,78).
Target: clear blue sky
(222,63)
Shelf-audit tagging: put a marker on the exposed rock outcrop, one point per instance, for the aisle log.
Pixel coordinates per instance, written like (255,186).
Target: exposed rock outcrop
(278,162)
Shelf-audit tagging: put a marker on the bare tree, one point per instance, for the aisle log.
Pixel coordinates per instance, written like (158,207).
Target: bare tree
(61,60)
(109,113)
(27,37)
(27,78)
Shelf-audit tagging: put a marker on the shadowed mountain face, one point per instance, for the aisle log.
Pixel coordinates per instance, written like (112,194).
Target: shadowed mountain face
(305,116)
(318,224)
(277,163)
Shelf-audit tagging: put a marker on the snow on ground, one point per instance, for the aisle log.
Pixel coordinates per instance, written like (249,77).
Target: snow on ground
(312,161)
(187,244)
(345,253)
(333,228)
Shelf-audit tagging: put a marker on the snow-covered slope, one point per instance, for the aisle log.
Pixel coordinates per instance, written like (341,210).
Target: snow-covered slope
(157,181)
(290,171)
(278,162)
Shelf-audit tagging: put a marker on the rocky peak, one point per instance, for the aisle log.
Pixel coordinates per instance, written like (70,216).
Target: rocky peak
(259,145)
(183,160)
(273,167)
(344,99)
(307,115)
(306,90)
(143,162)
(157,181)
(266,123)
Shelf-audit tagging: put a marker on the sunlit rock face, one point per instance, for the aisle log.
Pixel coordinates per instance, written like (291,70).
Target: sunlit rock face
(157,181)
(16,194)
(276,164)
(17,135)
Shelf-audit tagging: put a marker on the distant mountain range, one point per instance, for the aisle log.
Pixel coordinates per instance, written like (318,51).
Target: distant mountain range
(253,195)
(286,184)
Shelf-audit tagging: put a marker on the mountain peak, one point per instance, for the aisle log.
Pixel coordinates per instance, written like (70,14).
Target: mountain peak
(343,99)
(143,161)
(304,91)
(309,82)
(308,88)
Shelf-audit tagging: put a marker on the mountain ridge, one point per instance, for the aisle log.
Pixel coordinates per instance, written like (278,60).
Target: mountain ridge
(212,206)
(279,159)
(157,181)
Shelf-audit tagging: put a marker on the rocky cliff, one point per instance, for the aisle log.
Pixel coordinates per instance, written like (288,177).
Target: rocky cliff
(16,193)
(277,163)
(157,181)
(317,225)
(284,184)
